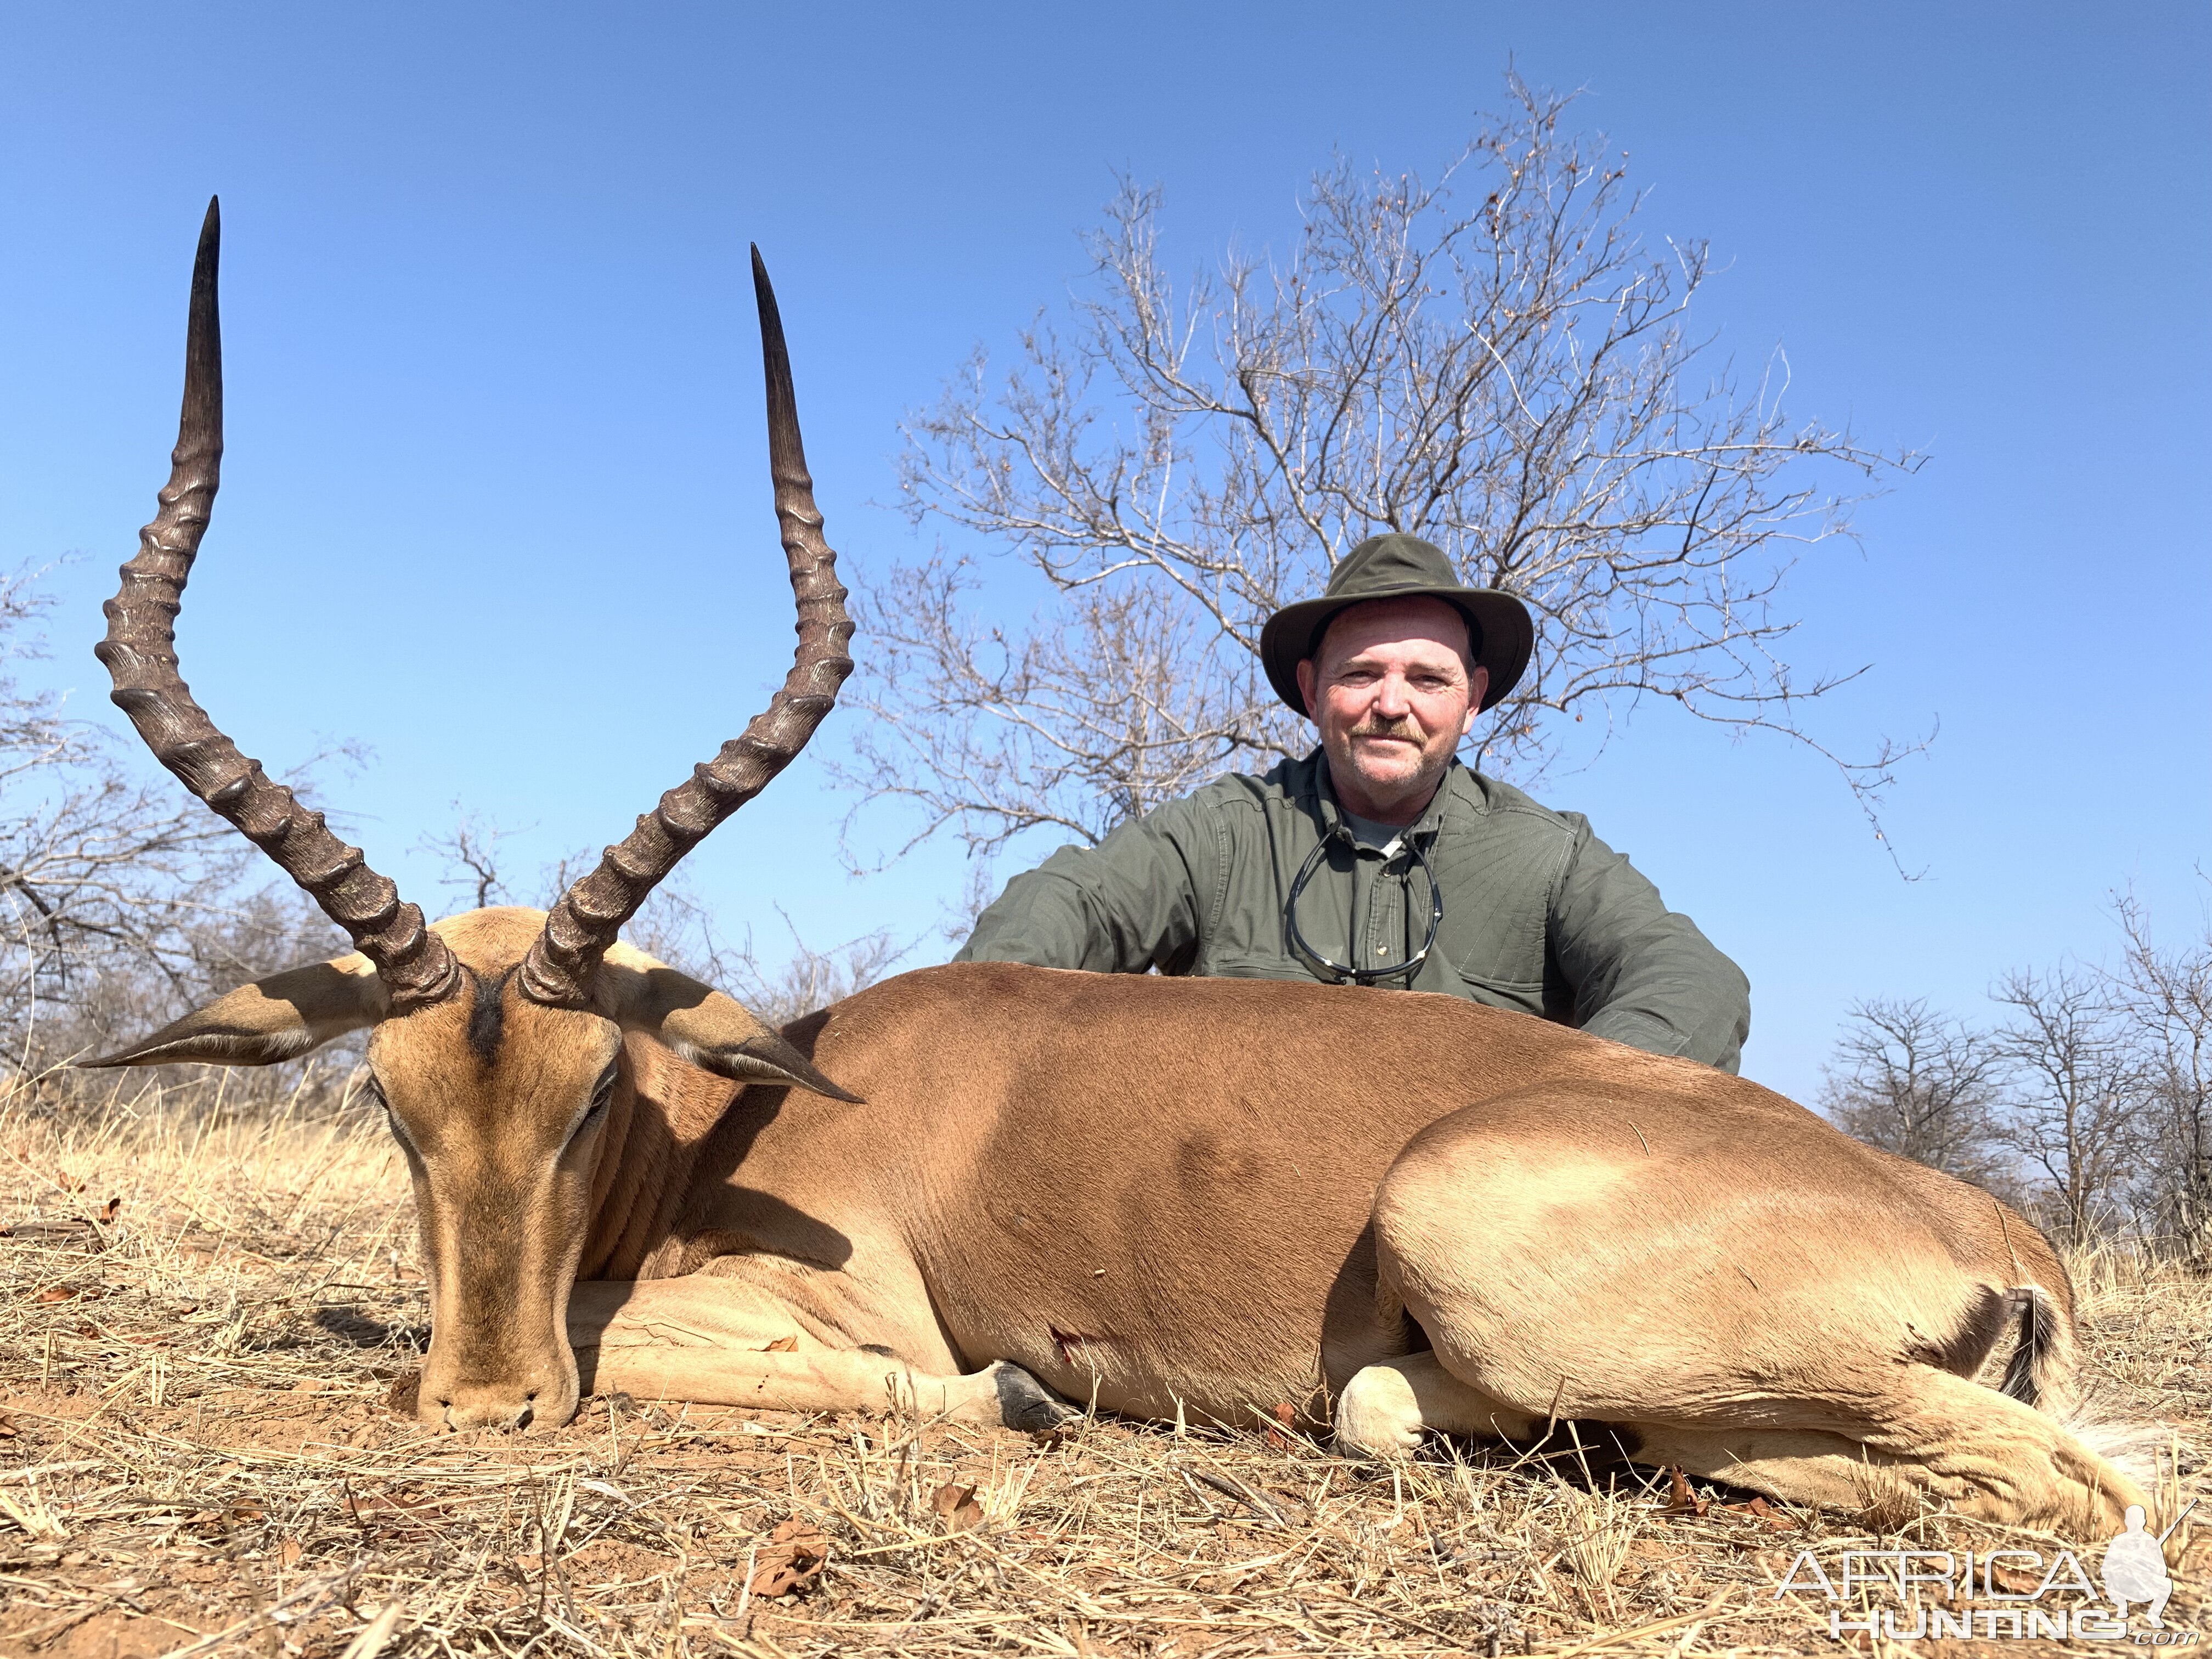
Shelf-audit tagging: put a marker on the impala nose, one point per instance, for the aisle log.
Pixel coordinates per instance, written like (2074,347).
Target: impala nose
(504,1407)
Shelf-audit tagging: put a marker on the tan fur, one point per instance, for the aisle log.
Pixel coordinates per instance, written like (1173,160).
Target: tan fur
(1204,1197)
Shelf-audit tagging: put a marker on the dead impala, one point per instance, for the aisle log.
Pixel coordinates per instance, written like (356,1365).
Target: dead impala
(1165,1196)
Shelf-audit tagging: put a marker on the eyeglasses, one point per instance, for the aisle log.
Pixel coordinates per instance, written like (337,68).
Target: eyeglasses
(1343,971)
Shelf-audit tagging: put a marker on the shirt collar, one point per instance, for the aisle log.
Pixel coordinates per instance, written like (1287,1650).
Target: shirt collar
(1423,828)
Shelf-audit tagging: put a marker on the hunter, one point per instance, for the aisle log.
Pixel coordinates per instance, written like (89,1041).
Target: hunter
(1381,858)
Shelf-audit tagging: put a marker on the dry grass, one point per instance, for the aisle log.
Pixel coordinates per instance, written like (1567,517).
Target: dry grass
(196,1455)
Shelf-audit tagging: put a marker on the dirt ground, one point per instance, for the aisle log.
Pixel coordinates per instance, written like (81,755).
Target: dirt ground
(204,1324)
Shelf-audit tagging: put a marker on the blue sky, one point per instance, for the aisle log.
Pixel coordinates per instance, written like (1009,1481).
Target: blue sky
(496,504)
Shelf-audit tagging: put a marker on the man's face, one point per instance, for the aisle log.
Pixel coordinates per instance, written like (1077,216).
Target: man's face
(1392,694)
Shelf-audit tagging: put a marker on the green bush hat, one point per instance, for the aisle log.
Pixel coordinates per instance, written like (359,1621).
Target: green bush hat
(1399,567)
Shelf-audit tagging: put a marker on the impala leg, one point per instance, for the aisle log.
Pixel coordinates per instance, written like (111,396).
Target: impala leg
(1798,1466)
(1385,1408)
(1855,1435)
(708,1341)
(825,1380)
(1930,1439)
(1937,1440)
(1783,1359)
(1995,1458)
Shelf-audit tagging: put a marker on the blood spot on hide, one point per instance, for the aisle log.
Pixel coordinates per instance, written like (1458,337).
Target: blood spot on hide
(1073,1345)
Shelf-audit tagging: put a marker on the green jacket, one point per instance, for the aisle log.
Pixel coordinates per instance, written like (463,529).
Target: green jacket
(1539,915)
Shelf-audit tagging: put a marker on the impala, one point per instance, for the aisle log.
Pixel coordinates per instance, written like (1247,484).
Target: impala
(983,1190)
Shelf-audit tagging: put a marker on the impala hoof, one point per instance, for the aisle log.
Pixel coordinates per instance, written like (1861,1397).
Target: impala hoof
(1026,1404)
(1377,1416)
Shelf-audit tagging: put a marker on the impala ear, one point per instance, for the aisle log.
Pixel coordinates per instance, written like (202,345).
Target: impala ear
(278,1018)
(700,1025)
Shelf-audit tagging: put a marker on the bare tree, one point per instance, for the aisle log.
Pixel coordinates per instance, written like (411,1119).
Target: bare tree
(2166,995)
(470,852)
(1495,360)
(1093,717)
(2077,1083)
(119,903)
(1920,1084)
(811,979)
(673,927)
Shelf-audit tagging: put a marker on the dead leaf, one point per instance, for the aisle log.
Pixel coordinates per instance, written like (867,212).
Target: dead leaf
(109,1210)
(790,1560)
(784,1344)
(215,1523)
(1285,1414)
(55,1293)
(289,1552)
(1773,1517)
(2010,1578)
(394,1515)
(8,1429)
(405,1395)
(1680,1500)
(68,1183)
(86,1327)
(957,1505)
(1057,1434)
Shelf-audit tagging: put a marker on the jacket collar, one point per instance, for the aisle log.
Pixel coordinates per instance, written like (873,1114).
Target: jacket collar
(1459,790)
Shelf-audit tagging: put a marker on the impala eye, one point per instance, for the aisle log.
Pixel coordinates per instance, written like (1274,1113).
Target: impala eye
(601,1094)
(375,1092)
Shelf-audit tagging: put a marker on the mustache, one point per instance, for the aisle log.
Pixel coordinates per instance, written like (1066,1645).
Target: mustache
(1371,727)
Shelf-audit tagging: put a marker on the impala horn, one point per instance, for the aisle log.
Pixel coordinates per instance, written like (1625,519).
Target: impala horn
(140,656)
(563,960)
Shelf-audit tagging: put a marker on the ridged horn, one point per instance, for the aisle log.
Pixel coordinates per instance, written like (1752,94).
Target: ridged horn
(140,656)
(563,960)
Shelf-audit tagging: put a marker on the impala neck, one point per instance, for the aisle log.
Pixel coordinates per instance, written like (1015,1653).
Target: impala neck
(657,1123)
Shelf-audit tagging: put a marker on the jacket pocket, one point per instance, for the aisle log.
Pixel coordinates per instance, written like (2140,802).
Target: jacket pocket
(1253,966)
(1524,996)
(1510,962)
(1498,950)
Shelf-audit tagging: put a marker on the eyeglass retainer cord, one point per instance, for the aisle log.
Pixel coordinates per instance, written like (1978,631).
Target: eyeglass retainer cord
(1343,971)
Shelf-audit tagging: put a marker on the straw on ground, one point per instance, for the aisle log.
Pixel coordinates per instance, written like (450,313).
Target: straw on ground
(204,1317)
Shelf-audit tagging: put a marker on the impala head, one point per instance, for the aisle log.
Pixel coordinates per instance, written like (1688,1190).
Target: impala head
(496,1038)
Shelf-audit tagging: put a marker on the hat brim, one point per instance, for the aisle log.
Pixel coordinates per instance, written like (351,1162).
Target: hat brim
(1509,636)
